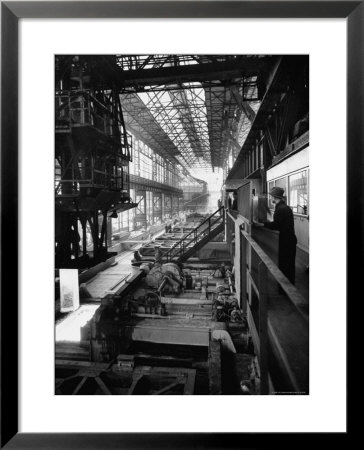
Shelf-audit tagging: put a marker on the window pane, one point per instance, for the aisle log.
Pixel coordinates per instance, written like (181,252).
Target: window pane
(282,183)
(115,225)
(270,186)
(298,192)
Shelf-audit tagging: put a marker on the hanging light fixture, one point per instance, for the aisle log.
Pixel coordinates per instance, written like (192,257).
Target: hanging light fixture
(114,215)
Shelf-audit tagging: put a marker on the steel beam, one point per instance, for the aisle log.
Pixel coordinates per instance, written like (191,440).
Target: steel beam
(243,105)
(241,66)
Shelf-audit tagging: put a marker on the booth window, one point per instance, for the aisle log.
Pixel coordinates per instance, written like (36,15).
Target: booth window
(298,192)
(282,183)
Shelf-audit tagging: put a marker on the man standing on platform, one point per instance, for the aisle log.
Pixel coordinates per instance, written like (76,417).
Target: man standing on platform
(283,222)
(234,206)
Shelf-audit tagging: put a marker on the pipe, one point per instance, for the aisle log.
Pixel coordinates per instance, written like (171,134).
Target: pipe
(162,285)
(231,286)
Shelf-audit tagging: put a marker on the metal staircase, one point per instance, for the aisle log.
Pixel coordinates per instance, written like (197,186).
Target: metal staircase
(196,239)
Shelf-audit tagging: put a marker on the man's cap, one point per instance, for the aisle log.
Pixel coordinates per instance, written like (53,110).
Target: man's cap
(277,192)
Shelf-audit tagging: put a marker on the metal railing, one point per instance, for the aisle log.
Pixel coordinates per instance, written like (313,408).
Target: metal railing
(81,108)
(204,231)
(137,181)
(277,317)
(78,175)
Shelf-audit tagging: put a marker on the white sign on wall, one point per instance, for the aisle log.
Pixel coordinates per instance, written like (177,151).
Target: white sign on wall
(70,297)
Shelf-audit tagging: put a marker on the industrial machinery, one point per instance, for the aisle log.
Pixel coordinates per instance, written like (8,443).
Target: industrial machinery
(93,150)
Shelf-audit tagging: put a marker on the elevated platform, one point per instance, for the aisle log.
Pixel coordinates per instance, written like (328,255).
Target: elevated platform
(268,241)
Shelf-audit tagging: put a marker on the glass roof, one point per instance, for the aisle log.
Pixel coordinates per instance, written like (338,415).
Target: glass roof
(182,115)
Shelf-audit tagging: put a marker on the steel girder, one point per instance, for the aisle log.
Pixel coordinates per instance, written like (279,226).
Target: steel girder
(186,128)
(194,121)
(182,116)
(140,120)
(228,123)
(220,109)
(204,120)
(139,71)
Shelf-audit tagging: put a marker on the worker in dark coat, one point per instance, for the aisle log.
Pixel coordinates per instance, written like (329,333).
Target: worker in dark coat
(283,222)
(234,206)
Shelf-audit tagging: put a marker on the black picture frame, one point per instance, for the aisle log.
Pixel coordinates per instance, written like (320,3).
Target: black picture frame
(11,12)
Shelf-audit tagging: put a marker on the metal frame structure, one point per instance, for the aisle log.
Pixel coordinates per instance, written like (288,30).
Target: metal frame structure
(204,104)
(92,154)
(143,72)
(191,109)
(181,113)
(141,122)
(281,121)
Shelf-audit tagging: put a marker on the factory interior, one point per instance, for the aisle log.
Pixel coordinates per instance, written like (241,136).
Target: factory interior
(170,278)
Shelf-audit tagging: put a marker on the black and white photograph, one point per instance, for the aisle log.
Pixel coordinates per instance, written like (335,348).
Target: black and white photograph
(181,212)
(181,238)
